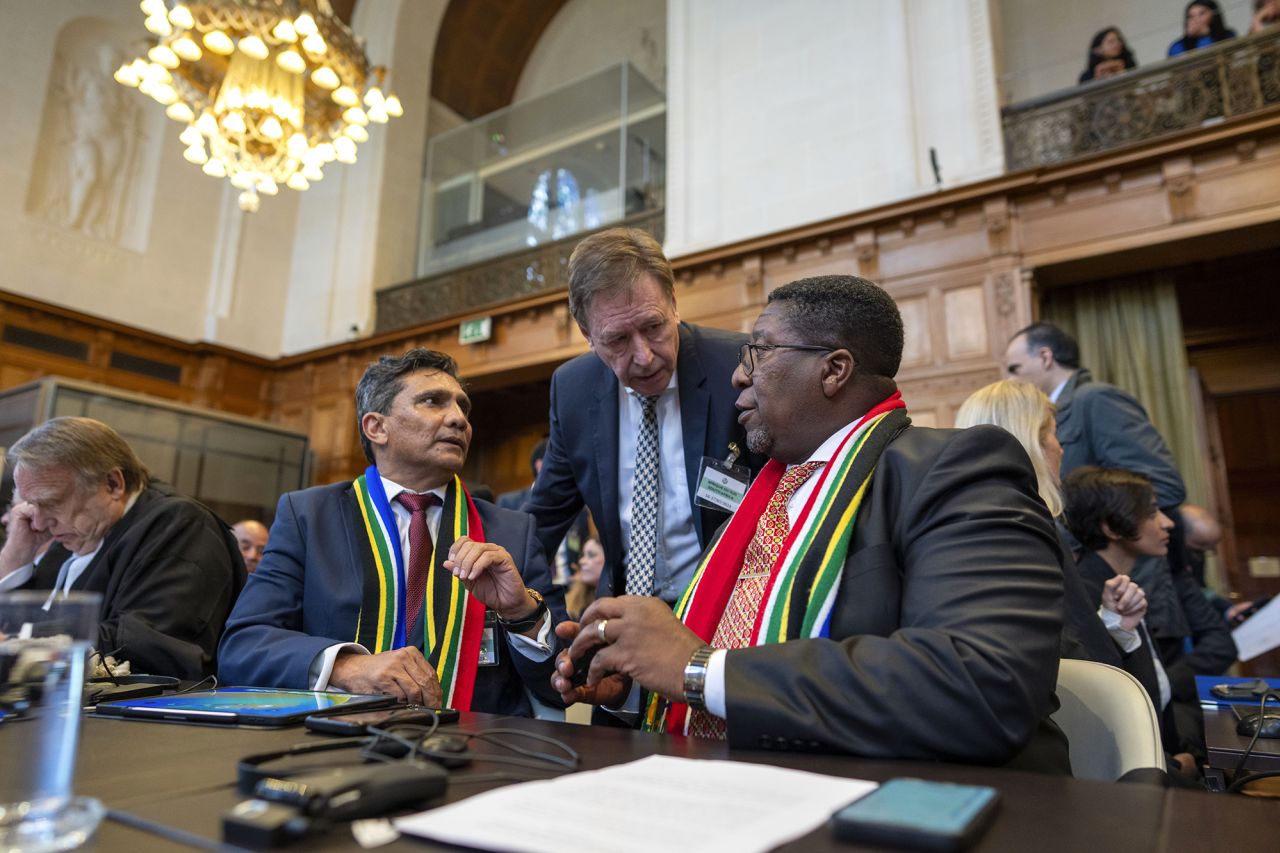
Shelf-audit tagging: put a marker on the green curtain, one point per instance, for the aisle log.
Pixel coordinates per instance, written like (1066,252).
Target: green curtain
(1130,334)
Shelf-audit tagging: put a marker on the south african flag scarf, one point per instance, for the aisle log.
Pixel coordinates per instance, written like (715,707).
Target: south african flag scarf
(803,582)
(452,620)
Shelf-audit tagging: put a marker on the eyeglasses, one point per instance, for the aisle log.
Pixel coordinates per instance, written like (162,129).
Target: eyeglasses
(748,354)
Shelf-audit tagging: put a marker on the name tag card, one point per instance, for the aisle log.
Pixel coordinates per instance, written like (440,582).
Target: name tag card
(721,485)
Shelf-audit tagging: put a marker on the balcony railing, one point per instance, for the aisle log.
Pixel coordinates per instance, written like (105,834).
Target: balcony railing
(1229,79)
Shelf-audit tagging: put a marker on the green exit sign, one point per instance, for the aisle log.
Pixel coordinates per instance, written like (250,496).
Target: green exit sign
(475,331)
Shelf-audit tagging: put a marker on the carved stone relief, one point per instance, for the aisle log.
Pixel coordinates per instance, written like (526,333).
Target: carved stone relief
(95,161)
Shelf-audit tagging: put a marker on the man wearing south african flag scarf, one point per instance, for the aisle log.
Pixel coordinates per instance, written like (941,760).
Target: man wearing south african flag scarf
(399,582)
(883,589)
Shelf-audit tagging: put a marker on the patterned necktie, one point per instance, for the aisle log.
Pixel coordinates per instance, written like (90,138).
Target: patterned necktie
(418,565)
(739,617)
(646,502)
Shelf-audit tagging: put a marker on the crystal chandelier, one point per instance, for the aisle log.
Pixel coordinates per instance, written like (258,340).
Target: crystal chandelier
(274,89)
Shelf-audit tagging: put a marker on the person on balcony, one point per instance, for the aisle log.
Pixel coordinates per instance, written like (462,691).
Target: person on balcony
(1109,55)
(1203,26)
(1265,13)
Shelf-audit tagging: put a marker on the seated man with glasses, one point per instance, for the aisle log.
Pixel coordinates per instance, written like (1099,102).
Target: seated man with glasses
(883,590)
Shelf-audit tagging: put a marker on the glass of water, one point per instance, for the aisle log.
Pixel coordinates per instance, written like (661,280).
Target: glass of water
(44,651)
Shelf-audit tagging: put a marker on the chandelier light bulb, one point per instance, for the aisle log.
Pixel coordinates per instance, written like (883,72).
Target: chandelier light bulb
(190,136)
(159,25)
(253,47)
(305,25)
(249,201)
(284,31)
(195,154)
(290,60)
(271,128)
(355,115)
(164,94)
(207,124)
(325,77)
(234,123)
(163,55)
(378,113)
(266,186)
(297,182)
(356,132)
(219,42)
(313,173)
(180,16)
(297,146)
(214,169)
(186,48)
(374,97)
(314,43)
(326,152)
(257,99)
(393,107)
(151,8)
(127,75)
(345,149)
(345,96)
(178,111)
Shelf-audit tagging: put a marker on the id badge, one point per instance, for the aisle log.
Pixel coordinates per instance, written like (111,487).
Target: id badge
(721,484)
(488,640)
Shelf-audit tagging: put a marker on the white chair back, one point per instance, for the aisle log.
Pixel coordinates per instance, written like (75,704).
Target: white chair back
(1109,720)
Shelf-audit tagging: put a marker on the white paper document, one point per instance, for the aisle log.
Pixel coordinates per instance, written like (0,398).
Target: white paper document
(1260,632)
(655,803)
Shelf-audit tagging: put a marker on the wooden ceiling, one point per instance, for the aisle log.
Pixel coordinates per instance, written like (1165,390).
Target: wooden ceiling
(481,50)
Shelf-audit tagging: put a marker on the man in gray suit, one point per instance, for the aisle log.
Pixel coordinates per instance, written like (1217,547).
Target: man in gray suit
(1098,424)
(883,590)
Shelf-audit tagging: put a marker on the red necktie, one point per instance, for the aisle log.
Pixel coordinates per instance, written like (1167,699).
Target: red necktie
(739,618)
(418,562)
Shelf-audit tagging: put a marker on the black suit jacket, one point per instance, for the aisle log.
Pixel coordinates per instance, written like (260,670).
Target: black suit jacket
(307,591)
(169,572)
(944,633)
(581,463)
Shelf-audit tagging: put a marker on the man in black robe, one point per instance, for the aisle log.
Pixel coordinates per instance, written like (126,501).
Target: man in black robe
(167,568)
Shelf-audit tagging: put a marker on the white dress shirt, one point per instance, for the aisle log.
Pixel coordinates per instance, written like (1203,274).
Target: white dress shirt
(322,667)
(678,548)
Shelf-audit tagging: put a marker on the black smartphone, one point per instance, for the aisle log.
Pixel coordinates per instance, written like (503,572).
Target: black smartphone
(918,815)
(358,723)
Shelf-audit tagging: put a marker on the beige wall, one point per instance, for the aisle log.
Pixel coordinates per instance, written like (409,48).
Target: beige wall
(587,35)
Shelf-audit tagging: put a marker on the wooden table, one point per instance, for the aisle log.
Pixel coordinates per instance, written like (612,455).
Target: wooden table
(183,777)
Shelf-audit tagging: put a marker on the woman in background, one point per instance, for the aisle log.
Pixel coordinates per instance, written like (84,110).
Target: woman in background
(1023,410)
(582,589)
(1109,55)
(1202,26)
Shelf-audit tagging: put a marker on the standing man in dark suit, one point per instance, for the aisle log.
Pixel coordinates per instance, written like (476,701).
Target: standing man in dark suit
(1098,424)
(632,420)
(882,590)
(399,582)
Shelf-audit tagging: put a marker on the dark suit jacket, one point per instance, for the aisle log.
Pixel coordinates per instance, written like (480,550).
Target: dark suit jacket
(1098,424)
(581,463)
(945,630)
(168,572)
(306,594)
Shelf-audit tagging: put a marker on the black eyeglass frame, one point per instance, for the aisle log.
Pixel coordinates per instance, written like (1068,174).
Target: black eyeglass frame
(747,353)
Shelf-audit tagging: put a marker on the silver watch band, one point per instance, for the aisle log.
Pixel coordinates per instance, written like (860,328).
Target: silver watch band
(695,678)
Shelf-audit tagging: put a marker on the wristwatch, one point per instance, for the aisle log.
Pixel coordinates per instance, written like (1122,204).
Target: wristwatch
(531,621)
(695,678)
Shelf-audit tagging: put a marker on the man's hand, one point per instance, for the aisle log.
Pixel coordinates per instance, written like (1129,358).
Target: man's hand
(610,691)
(403,673)
(1121,595)
(23,541)
(643,641)
(490,574)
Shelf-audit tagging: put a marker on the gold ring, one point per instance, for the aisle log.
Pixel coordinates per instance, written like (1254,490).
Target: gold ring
(600,631)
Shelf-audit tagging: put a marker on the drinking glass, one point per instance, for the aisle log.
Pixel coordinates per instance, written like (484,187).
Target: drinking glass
(43,654)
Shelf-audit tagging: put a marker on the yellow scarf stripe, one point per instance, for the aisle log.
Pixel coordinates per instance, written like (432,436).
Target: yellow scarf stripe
(364,502)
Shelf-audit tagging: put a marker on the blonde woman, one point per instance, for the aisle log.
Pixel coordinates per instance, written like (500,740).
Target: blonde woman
(1023,410)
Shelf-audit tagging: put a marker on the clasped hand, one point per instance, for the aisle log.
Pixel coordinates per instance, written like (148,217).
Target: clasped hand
(642,641)
(1121,595)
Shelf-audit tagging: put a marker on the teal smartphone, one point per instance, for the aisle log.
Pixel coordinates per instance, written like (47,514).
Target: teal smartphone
(918,815)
